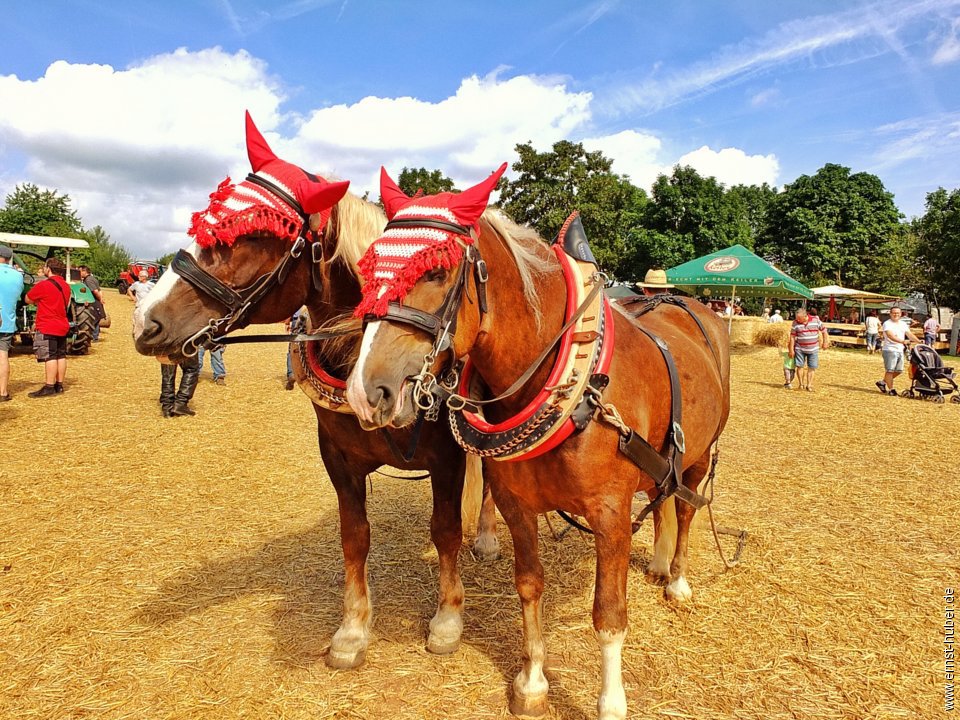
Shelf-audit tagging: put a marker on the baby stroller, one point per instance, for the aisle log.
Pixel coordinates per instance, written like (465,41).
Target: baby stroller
(929,379)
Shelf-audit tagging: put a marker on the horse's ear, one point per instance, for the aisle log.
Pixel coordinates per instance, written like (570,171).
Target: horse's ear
(316,197)
(392,197)
(469,205)
(257,149)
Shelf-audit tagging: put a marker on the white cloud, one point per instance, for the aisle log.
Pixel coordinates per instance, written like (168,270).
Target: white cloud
(633,153)
(467,135)
(855,29)
(732,166)
(949,49)
(765,97)
(130,145)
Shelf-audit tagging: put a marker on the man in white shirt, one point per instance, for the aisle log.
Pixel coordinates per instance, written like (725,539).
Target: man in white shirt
(871,328)
(776,317)
(140,289)
(896,338)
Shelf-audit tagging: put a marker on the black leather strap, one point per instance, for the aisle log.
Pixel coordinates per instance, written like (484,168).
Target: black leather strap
(278,191)
(420,222)
(186,266)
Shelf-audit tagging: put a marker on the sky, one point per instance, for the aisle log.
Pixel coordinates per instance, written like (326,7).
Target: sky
(135,109)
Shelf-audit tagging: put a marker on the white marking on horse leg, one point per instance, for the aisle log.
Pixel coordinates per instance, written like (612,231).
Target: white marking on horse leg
(349,643)
(356,393)
(612,704)
(679,590)
(486,546)
(665,544)
(530,687)
(446,627)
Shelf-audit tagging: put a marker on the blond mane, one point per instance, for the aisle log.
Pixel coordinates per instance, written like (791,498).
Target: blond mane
(529,251)
(360,223)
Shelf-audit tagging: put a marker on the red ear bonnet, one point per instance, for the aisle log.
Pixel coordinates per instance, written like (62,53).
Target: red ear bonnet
(392,197)
(249,208)
(257,149)
(394,263)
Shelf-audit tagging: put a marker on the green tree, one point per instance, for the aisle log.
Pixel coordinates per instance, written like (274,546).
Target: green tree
(938,246)
(688,216)
(32,211)
(751,204)
(831,227)
(431,182)
(105,257)
(551,185)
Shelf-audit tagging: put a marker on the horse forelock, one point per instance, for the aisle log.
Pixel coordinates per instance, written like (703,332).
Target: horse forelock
(358,224)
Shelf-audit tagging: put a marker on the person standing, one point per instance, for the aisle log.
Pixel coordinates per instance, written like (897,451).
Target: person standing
(871,330)
(807,336)
(930,330)
(216,364)
(138,290)
(11,287)
(173,400)
(896,338)
(295,325)
(654,283)
(93,283)
(776,317)
(52,298)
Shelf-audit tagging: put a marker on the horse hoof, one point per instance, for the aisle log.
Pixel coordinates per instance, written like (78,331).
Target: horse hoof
(345,660)
(442,647)
(679,590)
(486,550)
(528,705)
(655,578)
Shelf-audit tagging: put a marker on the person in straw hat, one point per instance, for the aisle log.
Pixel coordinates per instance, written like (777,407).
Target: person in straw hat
(654,283)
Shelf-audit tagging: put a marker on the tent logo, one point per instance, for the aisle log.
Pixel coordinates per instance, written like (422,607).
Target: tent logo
(722,264)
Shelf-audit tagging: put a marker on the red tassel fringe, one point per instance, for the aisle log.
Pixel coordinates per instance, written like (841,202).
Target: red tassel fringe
(446,254)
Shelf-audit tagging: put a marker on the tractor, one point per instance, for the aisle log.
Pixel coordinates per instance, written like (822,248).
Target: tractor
(81,312)
(132,274)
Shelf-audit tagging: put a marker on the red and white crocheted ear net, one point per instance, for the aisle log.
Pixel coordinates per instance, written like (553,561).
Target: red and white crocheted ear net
(237,210)
(395,262)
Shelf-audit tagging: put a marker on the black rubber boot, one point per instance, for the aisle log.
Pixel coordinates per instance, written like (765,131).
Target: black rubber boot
(188,383)
(168,385)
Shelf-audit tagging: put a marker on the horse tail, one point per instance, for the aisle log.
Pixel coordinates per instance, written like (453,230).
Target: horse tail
(665,544)
(472,497)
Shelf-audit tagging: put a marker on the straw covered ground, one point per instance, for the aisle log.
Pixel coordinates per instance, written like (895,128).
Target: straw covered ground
(190,568)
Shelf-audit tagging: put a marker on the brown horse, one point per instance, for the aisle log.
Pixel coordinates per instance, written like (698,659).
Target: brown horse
(238,251)
(503,299)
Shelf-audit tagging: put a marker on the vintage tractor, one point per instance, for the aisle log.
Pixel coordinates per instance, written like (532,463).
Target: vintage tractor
(81,311)
(129,276)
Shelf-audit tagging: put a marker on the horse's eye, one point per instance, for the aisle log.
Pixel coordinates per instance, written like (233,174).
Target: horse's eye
(437,275)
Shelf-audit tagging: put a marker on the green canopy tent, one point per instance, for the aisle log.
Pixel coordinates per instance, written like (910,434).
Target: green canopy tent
(734,271)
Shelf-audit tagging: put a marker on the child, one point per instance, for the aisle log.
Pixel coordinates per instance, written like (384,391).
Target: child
(789,369)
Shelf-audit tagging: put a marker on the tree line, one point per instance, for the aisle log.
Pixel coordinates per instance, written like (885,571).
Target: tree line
(834,226)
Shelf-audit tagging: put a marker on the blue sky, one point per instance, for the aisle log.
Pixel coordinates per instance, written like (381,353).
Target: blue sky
(135,109)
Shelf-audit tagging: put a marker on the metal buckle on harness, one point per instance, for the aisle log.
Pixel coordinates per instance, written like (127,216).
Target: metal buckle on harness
(298,246)
(482,274)
(678,438)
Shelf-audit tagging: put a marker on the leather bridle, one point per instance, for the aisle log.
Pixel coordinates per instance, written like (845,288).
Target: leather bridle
(440,325)
(241,303)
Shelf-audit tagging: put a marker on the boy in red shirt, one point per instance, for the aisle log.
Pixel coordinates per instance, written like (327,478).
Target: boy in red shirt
(52,297)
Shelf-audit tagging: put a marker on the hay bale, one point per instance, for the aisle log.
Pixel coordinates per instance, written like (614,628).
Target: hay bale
(772,334)
(742,330)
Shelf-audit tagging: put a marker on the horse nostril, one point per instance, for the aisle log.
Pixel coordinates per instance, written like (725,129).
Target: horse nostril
(379,396)
(151,329)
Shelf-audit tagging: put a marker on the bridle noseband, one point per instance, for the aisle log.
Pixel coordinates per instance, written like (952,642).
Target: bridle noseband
(240,303)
